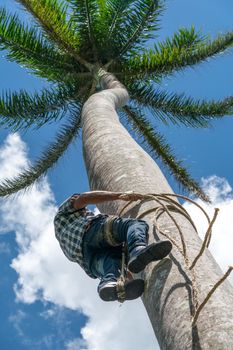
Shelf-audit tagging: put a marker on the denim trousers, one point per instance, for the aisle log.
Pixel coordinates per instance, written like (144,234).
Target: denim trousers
(104,260)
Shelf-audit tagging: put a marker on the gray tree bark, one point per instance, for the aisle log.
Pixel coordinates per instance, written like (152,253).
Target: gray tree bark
(115,162)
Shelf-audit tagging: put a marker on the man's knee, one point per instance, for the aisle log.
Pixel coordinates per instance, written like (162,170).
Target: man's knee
(142,224)
(143,230)
(146,227)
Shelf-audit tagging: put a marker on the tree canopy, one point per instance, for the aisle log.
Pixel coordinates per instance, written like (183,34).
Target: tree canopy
(67,44)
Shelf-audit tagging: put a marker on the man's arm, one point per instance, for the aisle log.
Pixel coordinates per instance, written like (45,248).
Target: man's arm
(95,197)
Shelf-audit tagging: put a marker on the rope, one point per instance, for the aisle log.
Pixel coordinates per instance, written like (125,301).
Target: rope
(166,204)
(120,287)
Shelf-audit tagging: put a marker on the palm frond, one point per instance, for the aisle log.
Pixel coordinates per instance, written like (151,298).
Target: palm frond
(116,8)
(174,55)
(96,38)
(48,159)
(112,22)
(178,108)
(157,147)
(52,17)
(28,47)
(22,110)
(83,18)
(133,23)
(140,21)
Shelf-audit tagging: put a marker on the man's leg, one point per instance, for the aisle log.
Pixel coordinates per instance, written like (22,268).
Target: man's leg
(135,233)
(132,231)
(104,262)
(106,266)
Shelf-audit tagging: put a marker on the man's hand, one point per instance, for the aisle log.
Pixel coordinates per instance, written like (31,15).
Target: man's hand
(75,202)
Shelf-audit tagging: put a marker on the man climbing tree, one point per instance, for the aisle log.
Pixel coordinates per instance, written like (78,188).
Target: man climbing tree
(95,243)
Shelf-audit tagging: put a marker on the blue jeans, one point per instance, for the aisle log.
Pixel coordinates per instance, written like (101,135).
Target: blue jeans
(102,259)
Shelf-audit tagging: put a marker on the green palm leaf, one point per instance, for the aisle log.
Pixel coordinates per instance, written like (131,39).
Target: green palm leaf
(140,20)
(101,19)
(171,56)
(52,17)
(21,110)
(177,108)
(133,24)
(48,158)
(30,48)
(84,16)
(116,8)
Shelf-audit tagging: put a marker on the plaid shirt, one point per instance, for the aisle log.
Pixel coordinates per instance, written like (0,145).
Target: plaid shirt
(70,225)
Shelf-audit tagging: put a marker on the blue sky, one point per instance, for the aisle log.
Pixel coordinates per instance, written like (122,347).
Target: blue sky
(43,318)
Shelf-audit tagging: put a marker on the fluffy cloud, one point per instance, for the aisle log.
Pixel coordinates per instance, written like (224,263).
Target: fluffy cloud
(76,344)
(44,273)
(16,321)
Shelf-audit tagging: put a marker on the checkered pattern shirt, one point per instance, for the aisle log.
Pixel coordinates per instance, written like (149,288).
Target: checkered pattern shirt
(70,225)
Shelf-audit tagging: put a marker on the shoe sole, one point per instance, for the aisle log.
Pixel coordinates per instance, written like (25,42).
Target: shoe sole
(154,252)
(133,290)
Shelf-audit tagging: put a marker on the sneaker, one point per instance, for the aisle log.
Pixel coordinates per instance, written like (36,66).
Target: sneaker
(140,257)
(133,289)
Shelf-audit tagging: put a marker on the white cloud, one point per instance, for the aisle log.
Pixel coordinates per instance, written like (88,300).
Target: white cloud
(76,344)
(48,313)
(12,156)
(44,272)
(16,320)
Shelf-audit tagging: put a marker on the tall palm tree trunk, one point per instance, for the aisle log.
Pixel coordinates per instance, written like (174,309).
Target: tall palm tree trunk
(115,162)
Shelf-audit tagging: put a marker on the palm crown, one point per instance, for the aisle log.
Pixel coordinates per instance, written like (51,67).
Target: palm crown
(72,39)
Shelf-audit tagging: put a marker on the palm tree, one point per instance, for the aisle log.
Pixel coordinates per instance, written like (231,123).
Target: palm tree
(93,53)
